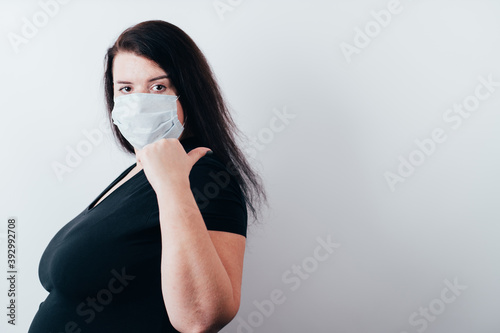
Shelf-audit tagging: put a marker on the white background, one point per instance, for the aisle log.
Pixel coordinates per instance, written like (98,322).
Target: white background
(355,117)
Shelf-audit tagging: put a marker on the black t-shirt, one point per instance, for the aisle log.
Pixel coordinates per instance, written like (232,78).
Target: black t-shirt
(102,269)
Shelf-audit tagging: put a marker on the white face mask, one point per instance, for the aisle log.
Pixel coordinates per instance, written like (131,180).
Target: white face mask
(146,118)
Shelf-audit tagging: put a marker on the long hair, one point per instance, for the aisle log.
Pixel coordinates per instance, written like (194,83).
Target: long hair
(206,114)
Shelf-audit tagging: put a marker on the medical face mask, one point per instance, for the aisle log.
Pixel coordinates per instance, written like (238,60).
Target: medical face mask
(146,118)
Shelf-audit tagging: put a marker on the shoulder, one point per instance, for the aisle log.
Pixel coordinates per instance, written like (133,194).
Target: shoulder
(209,172)
(211,179)
(218,194)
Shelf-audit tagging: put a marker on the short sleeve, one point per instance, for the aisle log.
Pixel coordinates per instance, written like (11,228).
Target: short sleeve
(218,196)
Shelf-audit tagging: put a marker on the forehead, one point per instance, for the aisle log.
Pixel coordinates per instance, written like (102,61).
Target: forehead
(130,66)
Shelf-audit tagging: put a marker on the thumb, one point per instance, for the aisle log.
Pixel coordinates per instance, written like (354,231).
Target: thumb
(197,153)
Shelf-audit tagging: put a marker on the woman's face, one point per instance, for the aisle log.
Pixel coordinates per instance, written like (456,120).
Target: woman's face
(136,74)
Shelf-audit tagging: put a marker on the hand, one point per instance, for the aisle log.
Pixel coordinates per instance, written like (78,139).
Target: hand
(166,163)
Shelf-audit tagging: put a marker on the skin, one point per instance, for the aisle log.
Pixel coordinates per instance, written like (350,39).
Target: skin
(201,270)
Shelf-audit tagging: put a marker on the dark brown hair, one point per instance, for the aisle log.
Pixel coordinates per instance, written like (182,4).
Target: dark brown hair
(206,114)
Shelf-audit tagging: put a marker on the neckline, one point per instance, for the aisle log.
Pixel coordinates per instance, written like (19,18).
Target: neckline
(188,143)
(92,205)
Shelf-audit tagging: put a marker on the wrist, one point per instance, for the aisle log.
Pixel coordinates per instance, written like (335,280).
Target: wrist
(173,187)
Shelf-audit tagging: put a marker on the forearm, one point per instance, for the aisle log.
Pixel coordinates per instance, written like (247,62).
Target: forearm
(196,287)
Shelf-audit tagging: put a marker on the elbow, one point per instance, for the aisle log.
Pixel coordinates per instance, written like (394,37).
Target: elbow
(200,328)
(209,323)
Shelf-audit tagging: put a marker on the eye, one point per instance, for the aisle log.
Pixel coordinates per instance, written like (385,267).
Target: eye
(159,87)
(125,89)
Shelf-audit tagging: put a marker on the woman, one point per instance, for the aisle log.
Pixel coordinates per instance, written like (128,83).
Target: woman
(161,248)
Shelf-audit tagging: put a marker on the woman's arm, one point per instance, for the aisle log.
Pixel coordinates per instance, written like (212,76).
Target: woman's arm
(201,270)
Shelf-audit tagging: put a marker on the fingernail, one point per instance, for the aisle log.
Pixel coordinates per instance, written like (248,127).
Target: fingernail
(209,152)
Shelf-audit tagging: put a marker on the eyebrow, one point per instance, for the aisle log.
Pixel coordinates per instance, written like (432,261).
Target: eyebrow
(151,80)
